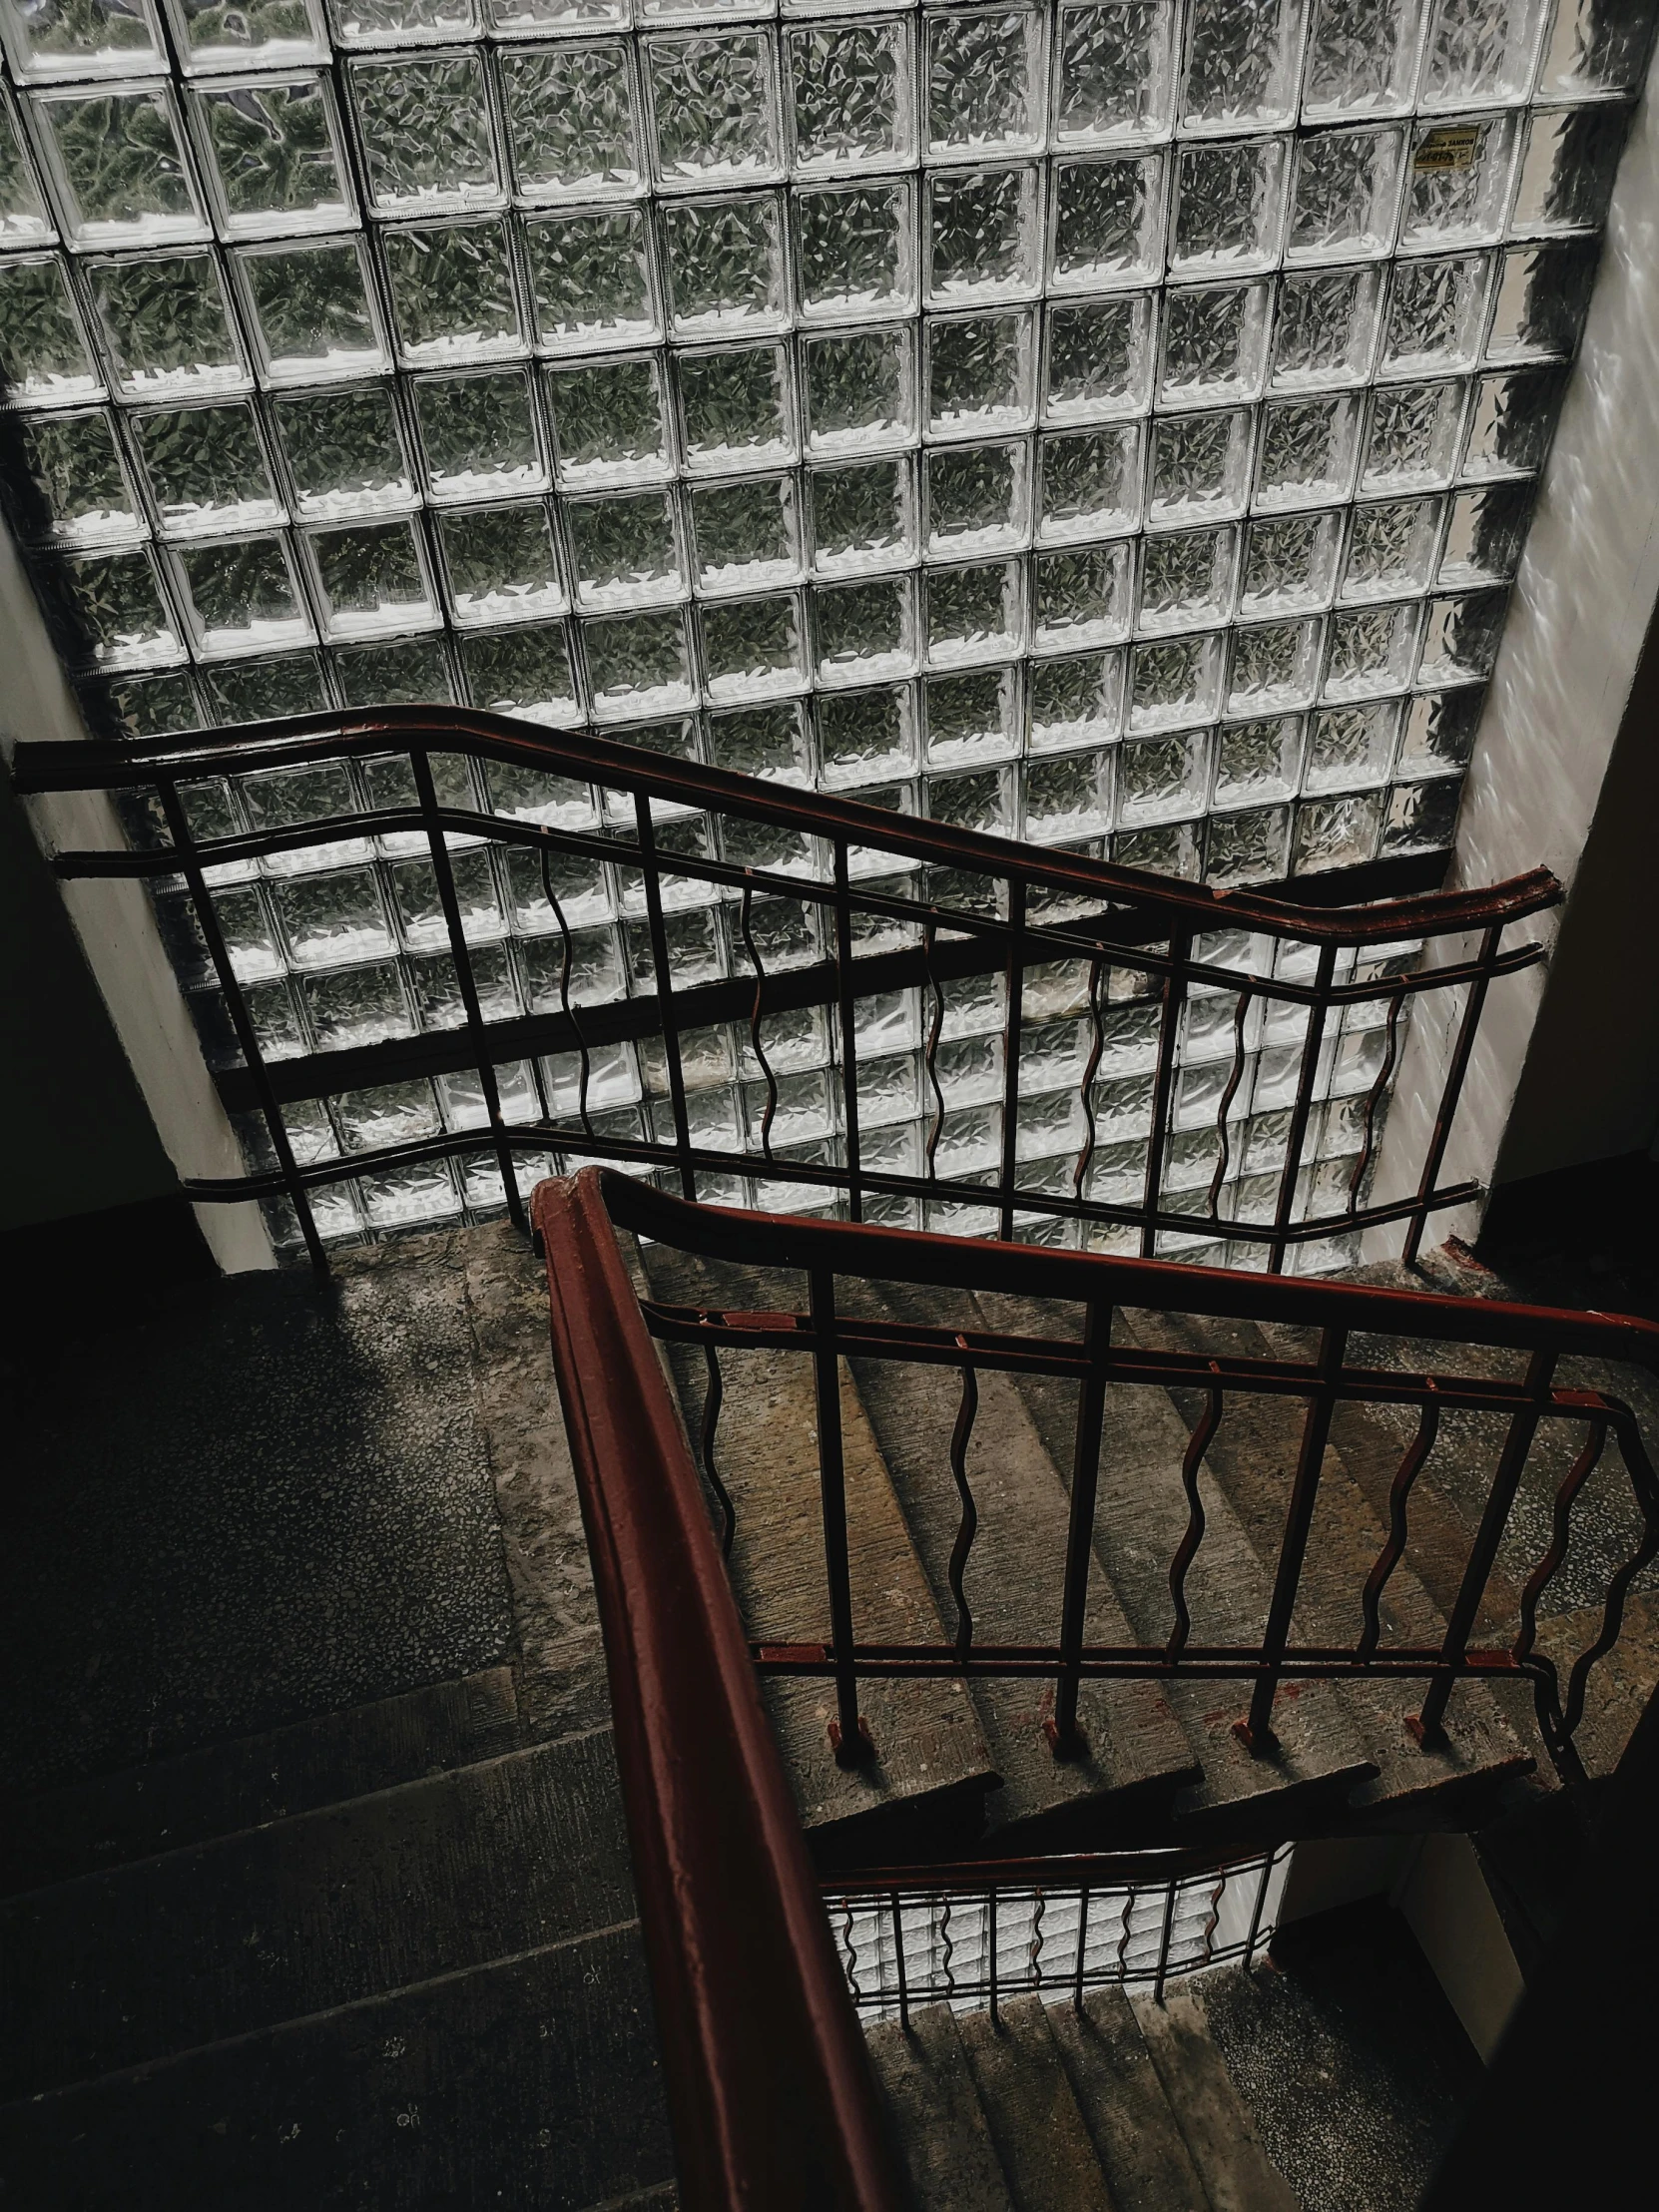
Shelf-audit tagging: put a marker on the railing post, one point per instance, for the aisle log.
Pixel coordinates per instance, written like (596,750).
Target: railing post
(665,989)
(846,1014)
(1016,996)
(1163,1089)
(1462,1051)
(1062,1730)
(1296,1135)
(847,1733)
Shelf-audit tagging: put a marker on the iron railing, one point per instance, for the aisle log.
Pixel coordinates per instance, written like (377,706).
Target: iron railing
(765,994)
(1360,1335)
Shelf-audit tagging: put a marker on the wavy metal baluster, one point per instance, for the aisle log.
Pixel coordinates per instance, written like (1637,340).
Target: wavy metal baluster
(947,1950)
(1374,1098)
(968,1527)
(1560,1535)
(1214,1916)
(851,1949)
(713,1398)
(1185,1553)
(931,1056)
(1236,1077)
(565,1008)
(1123,1935)
(1097,1047)
(1400,1492)
(754,1044)
(1645,1484)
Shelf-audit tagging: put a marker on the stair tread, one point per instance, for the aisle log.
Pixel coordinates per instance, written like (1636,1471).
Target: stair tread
(937,2121)
(334,1904)
(1142,2150)
(1039,2131)
(1214,2120)
(139,1811)
(537,2076)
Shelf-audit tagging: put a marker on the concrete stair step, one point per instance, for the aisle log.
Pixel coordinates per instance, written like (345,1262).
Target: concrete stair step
(1215,2122)
(110,1819)
(937,2122)
(1142,2150)
(1040,2133)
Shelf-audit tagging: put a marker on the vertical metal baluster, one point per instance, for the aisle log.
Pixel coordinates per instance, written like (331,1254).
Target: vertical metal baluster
(712,1399)
(1010,1050)
(1085,1476)
(438,846)
(991,1917)
(1491,939)
(665,991)
(848,1044)
(846,1734)
(930,1051)
(1082,1947)
(1306,1078)
(1224,1142)
(1269,1862)
(968,1524)
(567,953)
(190,868)
(1257,1731)
(1085,1089)
(899,1960)
(1163,1943)
(1374,1098)
(754,1044)
(1163,1089)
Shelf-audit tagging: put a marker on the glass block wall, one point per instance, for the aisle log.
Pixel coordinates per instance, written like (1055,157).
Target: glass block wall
(1109,422)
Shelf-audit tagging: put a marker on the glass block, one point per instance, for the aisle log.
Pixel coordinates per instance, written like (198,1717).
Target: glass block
(240,595)
(425,133)
(124,618)
(218,36)
(984,75)
(1229,207)
(771,741)
(589,279)
(1509,422)
(1076,701)
(1542,294)
(414,672)
(1069,797)
(1163,778)
(1391,548)
(1257,760)
(1458,186)
(624,550)
(1082,598)
(1242,65)
(859,390)
(1370,651)
(863,517)
(973,717)
(1174,680)
(714,100)
(1289,564)
(122,178)
(981,232)
(570,121)
(1595,46)
(526,18)
(1434,314)
(1274,665)
(1200,466)
(84,38)
(42,352)
(372,579)
(734,408)
(1114,75)
(78,489)
(1336,833)
(1345,194)
(207,468)
(1187,579)
(981,803)
(851,92)
(725,264)
(637,664)
(980,372)
(753,648)
(23,217)
(608,422)
(1098,360)
(1351,747)
(312,317)
(1215,343)
(976,498)
(1107,225)
(1412,441)
(152,707)
(1460,638)
(276,163)
(1251,847)
(1479,52)
(974,614)
(1325,328)
(745,533)
(1439,731)
(479,436)
(331,918)
(399,22)
(501,564)
(344,452)
(854,248)
(252,691)
(453,293)
(1307,451)
(864,631)
(865,736)
(359,1005)
(1361,58)
(1421,817)
(526,673)
(1567,169)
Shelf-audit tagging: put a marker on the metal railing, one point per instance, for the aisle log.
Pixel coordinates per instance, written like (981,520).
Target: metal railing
(1357,1362)
(767,995)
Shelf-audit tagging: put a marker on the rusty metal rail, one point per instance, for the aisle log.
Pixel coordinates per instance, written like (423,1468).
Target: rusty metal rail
(758,992)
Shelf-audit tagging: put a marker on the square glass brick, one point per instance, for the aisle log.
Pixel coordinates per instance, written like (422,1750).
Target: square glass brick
(344,452)
(1257,761)
(1249,847)
(1200,466)
(849,88)
(399,22)
(1361,58)
(1434,314)
(526,673)
(241,596)
(972,718)
(1174,680)
(725,264)
(1082,598)
(1412,441)
(1595,46)
(735,409)
(637,664)
(332,918)
(77,489)
(1457,183)
(976,497)
(123,615)
(501,564)
(453,294)
(372,579)
(984,73)
(1114,79)
(854,249)
(412,673)
(859,390)
(479,436)
(1175,849)
(608,422)
(865,632)
(624,550)
(1421,817)
(980,371)
(1484,535)
(866,736)
(714,100)
(275,155)
(1163,778)
(151,707)
(312,311)
(771,741)
(93,39)
(863,517)
(1187,579)
(123,177)
(1345,196)
(1214,344)
(1076,700)
(218,36)
(23,217)
(1461,637)
(1370,651)
(1069,797)
(1350,747)
(1242,65)
(589,279)
(1542,294)
(974,614)
(1567,169)
(1479,52)
(529,18)
(570,121)
(1305,457)
(207,468)
(1325,328)
(746,534)
(1274,665)
(1439,731)
(253,690)
(1107,224)
(1289,564)
(753,648)
(981,235)
(1229,207)
(425,133)
(1098,360)
(1392,547)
